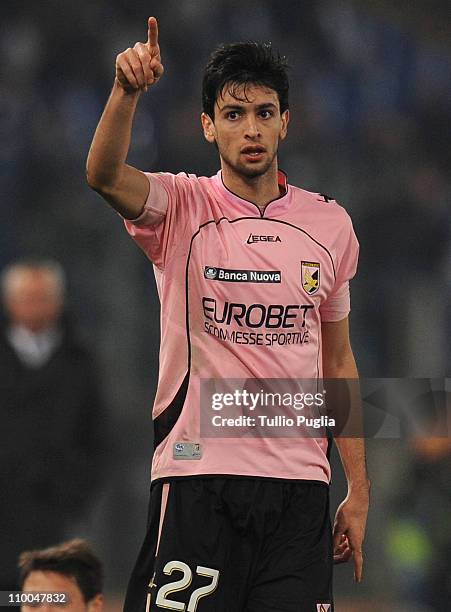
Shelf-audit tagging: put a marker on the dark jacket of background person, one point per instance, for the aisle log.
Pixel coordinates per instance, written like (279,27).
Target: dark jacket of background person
(50,450)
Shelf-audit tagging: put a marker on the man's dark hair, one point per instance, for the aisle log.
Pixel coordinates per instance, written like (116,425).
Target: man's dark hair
(242,64)
(73,558)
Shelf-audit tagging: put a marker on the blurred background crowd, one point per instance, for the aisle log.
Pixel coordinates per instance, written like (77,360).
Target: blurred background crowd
(370,113)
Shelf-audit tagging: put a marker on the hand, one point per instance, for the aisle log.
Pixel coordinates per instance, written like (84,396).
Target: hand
(140,67)
(349,530)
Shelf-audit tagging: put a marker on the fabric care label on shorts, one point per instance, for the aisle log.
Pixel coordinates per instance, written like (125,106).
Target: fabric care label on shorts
(187,450)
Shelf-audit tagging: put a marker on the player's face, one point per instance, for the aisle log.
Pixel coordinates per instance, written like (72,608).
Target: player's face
(44,581)
(247,128)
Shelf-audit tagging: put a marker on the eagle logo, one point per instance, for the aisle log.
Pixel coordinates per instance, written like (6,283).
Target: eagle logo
(310,276)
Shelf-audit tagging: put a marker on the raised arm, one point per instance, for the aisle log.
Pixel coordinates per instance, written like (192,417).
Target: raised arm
(122,185)
(351,515)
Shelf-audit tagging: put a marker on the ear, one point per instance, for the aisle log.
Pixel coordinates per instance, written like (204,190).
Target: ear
(209,127)
(285,118)
(96,604)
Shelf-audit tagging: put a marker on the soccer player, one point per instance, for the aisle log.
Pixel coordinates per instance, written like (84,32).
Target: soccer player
(70,569)
(252,275)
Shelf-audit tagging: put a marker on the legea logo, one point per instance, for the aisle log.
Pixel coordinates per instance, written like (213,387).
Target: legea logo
(258,238)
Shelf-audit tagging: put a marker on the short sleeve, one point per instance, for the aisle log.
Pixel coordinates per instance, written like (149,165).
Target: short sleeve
(338,303)
(160,225)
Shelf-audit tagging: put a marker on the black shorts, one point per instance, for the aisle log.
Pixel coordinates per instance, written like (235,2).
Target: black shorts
(242,544)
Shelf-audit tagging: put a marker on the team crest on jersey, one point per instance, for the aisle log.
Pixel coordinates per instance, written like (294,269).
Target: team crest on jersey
(323,607)
(310,276)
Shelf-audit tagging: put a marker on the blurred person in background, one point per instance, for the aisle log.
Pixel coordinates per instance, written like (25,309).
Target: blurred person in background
(50,412)
(70,568)
(419,536)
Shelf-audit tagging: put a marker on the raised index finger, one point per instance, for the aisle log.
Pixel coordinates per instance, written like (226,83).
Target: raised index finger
(152,32)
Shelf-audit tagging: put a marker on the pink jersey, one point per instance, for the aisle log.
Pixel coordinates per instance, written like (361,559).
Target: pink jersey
(242,296)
